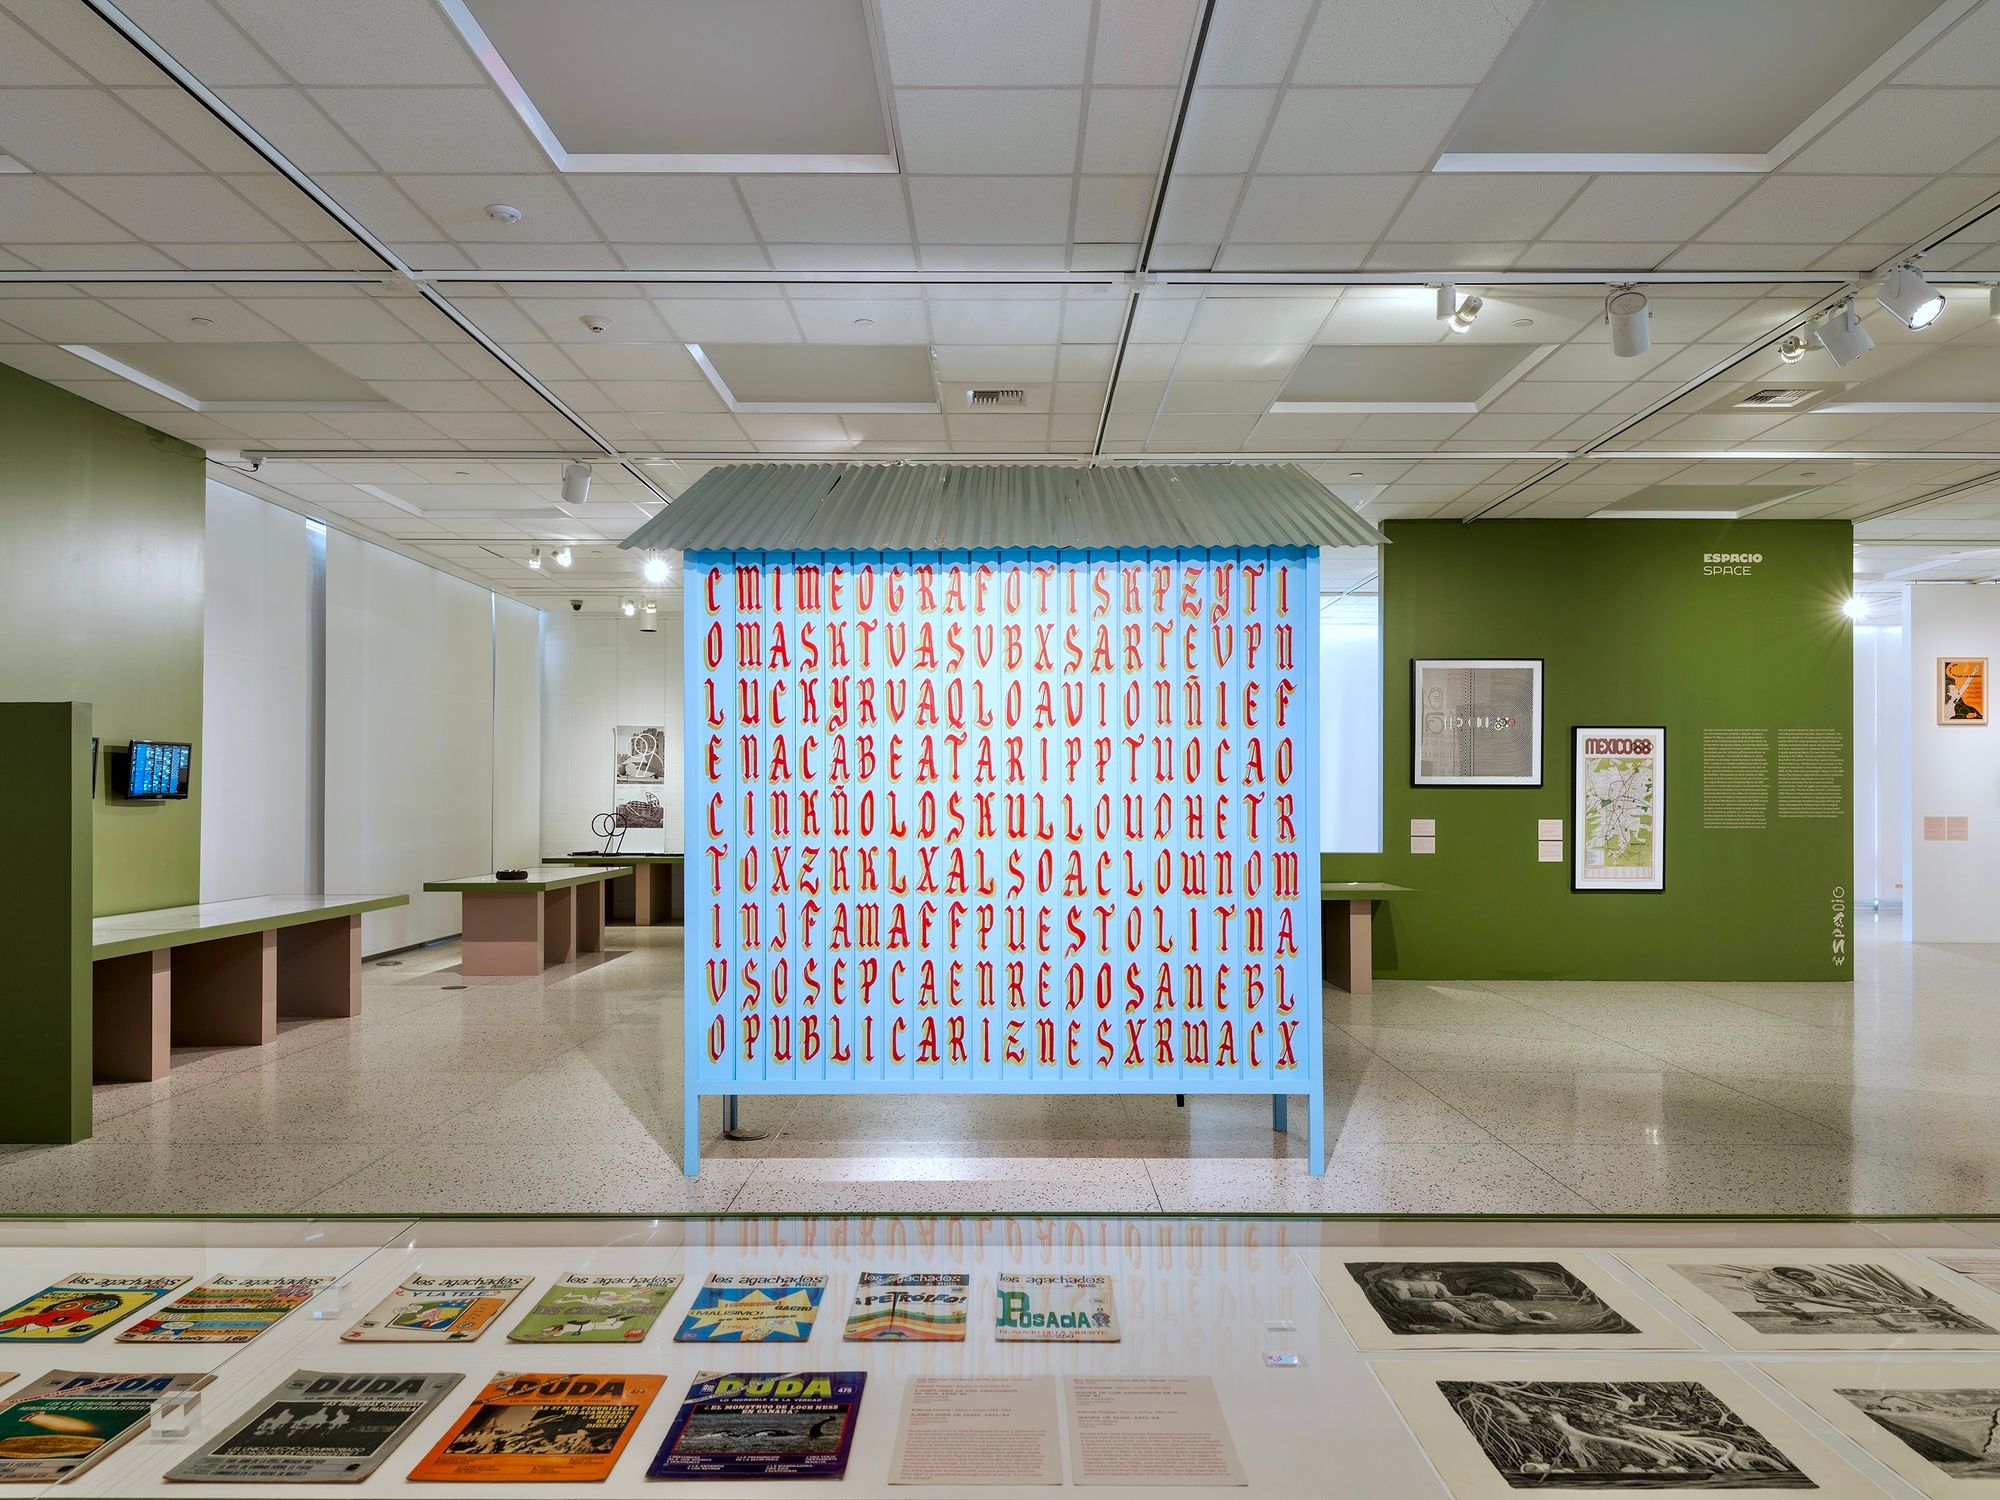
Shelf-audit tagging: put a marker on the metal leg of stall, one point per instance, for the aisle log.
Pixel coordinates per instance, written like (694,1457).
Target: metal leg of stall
(1280,1114)
(733,1131)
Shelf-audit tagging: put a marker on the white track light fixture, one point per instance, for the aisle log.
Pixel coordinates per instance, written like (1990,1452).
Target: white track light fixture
(1908,298)
(576,483)
(630,608)
(655,571)
(1993,302)
(564,557)
(1792,350)
(1631,318)
(535,558)
(1841,335)
(1447,305)
(1461,321)
(649,622)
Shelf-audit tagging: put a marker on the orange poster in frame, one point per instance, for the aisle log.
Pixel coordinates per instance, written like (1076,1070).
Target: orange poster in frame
(1961,690)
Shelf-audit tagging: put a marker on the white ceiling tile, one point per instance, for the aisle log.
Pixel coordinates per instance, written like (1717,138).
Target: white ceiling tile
(1906,130)
(945,131)
(664,210)
(693,257)
(175,208)
(1240,256)
(995,364)
(286,206)
(1968,53)
(298,127)
(1252,41)
(331,320)
(75,320)
(1127,130)
(1411,41)
(985,42)
(891,321)
(975,257)
(194,130)
(1221,396)
(991,210)
(1702,256)
(664,361)
(82,130)
(1792,208)
(1223,319)
(1142,41)
(1112,209)
(662,395)
(1084,363)
(1556,255)
(955,321)
(1359,130)
(35,211)
(226,321)
(704,321)
(1473,206)
(1251,362)
(1648,205)
(1198,209)
(1292,209)
(378,362)
(433,130)
(457,205)
(842,257)
(527,256)
(842,209)
(1093,322)
(1224,127)
(25,62)
(1930,210)
(378,204)
(201,40)
(1172,433)
(358,41)
(127,255)
(1453,255)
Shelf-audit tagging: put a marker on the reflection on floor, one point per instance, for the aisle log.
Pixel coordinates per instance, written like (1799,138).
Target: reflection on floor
(562,1094)
(1584,1357)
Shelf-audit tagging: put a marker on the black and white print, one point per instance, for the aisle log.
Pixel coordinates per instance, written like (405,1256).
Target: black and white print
(1617,1435)
(1458,1298)
(639,754)
(1483,1296)
(1823,1300)
(1935,1422)
(640,807)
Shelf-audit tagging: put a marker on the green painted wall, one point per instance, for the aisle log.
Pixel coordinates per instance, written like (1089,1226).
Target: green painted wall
(1632,632)
(101,526)
(46,746)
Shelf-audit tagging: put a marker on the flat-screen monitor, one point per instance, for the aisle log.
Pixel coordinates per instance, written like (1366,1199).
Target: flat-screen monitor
(157,770)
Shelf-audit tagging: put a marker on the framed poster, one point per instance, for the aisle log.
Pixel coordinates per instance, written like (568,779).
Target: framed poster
(1961,690)
(1476,722)
(639,754)
(1619,788)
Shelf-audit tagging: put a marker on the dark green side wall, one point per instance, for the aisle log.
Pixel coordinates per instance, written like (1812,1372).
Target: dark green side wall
(101,528)
(1632,632)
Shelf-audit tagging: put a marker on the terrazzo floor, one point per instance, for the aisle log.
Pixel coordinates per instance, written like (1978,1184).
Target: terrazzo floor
(561,1094)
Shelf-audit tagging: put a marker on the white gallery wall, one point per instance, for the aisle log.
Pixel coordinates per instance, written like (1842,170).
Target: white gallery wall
(1881,763)
(1350,728)
(600,671)
(259,821)
(413,776)
(1953,888)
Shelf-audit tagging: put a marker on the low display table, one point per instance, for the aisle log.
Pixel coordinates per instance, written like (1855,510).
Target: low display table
(1348,912)
(652,877)
(219,974)
(521,927)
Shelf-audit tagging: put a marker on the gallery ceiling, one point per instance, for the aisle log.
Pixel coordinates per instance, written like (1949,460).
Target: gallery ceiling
(394,262)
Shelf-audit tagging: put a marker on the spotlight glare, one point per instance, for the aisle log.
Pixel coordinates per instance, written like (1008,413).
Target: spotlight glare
(1631,318)
(1461,321)
(535,558)
(655,571)
(1855,608)
(1842,336)
(630,608)
(563,557)
(1908,298)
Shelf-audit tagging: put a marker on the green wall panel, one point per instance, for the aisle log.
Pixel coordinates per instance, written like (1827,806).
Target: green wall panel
(102,524)
(1633,630)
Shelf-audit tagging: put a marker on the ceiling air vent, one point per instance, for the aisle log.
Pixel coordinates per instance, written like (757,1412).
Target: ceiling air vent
(1779,396)
(996,395)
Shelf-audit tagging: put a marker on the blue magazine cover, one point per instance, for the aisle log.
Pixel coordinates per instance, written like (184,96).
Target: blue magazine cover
(753,1309)
(763,1426)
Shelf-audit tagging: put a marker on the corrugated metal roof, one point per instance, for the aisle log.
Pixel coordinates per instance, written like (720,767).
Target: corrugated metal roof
(783,507)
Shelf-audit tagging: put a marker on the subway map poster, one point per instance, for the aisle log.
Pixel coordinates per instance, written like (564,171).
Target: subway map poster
(1018,821)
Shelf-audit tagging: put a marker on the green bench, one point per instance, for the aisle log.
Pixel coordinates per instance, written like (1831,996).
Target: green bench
(521,927)
(219,974)
(649,878)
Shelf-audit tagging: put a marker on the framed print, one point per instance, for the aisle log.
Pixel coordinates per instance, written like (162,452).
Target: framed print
(1618,836)
(1475,722)
(1593,1428)
(1961,690)
(639,754)
(1928,1420)
(1762,1301)
(1447,1300)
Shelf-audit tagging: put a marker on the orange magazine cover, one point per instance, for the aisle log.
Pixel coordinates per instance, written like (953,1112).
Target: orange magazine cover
(567,1428)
